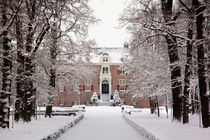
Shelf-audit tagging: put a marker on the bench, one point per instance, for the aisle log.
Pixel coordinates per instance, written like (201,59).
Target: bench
(65,112)
(129,109)
(80,107)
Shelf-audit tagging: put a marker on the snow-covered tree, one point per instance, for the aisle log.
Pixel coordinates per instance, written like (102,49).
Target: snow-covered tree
(68,40)
(34,24)
(171,24)
(116,98)
(148,62)
(94,99)
(6,66)
(35,28)
(201,31)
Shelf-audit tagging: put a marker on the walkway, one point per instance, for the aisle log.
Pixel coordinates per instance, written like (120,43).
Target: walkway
(102,123)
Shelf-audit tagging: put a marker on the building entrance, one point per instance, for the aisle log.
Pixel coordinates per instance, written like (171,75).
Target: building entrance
(105,91)
(105,87)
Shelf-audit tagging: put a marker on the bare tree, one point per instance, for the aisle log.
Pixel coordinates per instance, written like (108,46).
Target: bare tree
(202,60)
(6,67)
(70,23)
(31,28)
(190,13)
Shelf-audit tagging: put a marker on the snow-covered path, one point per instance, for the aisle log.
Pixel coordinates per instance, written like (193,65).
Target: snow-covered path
(102,123)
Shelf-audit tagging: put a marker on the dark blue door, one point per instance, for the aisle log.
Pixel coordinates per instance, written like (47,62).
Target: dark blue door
(105,88)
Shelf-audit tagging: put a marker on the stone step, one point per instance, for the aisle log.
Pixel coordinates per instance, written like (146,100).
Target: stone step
(104,104)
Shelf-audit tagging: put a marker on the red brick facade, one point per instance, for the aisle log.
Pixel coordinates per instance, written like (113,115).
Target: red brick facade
(69,96)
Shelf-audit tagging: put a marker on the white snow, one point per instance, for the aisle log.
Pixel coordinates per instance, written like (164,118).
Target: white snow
(165,129)
(107,123)
(116,54)
(102,123)
(36,129)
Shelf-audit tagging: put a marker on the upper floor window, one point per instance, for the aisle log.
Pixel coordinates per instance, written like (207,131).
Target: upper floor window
(105,70)
(105,59)
(61,87)
(122,72)
(87,85)
(76,85)
(122,84)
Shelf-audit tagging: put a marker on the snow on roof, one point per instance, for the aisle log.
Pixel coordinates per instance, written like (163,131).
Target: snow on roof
(116,54)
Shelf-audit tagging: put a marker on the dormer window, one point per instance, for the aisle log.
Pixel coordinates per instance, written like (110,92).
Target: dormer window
(105,59)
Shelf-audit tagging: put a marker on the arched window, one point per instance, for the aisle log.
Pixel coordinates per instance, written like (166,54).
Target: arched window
(105,82)
(105,57)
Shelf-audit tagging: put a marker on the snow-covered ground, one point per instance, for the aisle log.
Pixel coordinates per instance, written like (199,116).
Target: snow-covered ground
(165,129)
(36,129)
(107,123)
(102,123)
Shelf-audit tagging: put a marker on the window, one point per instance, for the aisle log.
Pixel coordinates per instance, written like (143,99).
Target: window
(61,102)
(122,84)
(61,87)
(76,85)
(105,59)
(105,70)
(76,102)
(87,85)
(122,72)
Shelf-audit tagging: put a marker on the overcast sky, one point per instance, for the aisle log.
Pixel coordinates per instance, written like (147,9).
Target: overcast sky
(106,33)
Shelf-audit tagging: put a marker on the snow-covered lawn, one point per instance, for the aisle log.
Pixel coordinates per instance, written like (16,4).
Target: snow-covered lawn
(36,129)
(107,123)
(165,129)
(102,123)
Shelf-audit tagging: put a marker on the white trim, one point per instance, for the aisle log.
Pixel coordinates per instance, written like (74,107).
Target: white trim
(122,73)
(123,84)
(74,89)
(89,82)
(61,102)
(60,87)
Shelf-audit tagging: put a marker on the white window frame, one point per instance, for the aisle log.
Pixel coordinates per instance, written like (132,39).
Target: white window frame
(122,83)
(105,70)
(60,87)
(76,85)
(61,102)
(88,85)
(105,59)
(122,72)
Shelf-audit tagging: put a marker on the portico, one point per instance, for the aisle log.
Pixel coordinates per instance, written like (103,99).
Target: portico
(105,78)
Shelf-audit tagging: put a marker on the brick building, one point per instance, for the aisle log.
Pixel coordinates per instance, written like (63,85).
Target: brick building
(108,78)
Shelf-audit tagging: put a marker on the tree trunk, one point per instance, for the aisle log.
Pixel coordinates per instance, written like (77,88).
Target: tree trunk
(202,62)
(29,66)
(53,54)
(175,77)
(208,38)
(174,59)
(20,72)
(152,105)
(187,75)
(192,102)
(157,105)
(29,94)
(6,73)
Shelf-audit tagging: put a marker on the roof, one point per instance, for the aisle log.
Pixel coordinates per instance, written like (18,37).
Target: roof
(116,54)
